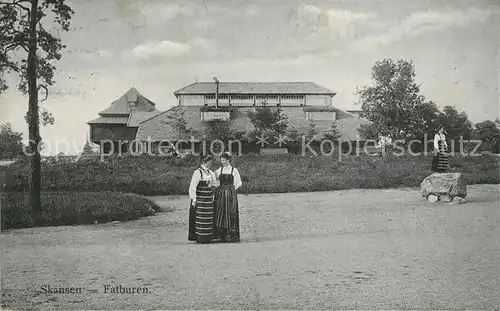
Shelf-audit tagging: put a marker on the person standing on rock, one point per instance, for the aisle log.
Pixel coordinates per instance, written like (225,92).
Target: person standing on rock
(227,218)
(440,161)
(201,210)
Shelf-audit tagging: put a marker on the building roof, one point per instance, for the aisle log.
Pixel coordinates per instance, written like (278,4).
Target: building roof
(137,117)
(132,100)
(109,120)
(302,88)
(160,128)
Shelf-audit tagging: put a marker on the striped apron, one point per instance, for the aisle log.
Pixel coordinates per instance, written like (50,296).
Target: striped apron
(440,160)
(201,217)
(442,164)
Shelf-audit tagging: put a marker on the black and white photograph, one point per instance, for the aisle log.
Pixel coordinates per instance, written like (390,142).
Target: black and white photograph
(250,155)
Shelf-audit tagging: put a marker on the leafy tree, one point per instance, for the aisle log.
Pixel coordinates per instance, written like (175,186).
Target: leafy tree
(391,101)
(221,130)
(489,134)
(368,131)
(268,122)
(426,121)
(456,124)
(11,146)
(29,50)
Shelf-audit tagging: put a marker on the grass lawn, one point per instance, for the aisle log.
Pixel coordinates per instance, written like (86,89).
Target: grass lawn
(149,175)
(75,208)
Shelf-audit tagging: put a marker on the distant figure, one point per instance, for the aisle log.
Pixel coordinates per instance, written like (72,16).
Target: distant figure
(227,217)
(201,210)
(440,160)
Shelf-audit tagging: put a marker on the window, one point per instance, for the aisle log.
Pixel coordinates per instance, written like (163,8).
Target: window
(215,115)
(321,115)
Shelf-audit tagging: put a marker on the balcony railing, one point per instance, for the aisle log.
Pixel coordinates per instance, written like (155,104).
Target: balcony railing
(254,100)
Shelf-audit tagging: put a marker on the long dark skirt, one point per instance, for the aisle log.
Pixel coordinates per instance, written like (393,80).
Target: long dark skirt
(440,160)
(201,217)
(227,217)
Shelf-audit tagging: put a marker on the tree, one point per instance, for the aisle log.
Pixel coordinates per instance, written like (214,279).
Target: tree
(87,148)
(368,131)
(456,124)
(29,50)
(333,133)
(390,103)
(11,145)
(489,134)
(179,123)
(268,122)
(221,130)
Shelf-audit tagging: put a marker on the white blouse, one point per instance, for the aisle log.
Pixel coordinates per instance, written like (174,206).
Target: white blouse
(206,175)
(227,170)
(437,138)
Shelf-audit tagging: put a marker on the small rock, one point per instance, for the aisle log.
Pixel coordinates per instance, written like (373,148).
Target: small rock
(432,198)
(445,198)
(459,200)
(115,222)
(96,222)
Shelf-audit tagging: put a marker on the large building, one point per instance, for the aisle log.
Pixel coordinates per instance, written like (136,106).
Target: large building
(134,117)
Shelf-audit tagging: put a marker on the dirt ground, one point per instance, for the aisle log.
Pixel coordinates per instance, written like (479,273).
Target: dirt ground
(356,249)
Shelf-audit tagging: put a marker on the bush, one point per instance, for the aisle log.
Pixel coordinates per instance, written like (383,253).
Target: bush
(149,175)
(75,208)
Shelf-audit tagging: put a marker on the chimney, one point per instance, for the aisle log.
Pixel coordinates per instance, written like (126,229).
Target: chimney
(216,92)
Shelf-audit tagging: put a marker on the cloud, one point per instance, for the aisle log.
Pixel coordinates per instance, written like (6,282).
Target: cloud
(171,49)
(339,20)
(160,49)
(420,23)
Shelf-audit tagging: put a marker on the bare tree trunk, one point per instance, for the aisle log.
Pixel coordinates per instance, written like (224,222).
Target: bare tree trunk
(33,117)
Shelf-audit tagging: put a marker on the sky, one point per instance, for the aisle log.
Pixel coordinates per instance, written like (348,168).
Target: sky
(160,46)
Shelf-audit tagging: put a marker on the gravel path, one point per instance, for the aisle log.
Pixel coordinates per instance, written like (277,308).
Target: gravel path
(356,249)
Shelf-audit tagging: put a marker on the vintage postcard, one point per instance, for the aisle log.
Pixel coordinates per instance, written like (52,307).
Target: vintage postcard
(249,155)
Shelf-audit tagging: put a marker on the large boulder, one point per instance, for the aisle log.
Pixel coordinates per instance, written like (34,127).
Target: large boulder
(444,184)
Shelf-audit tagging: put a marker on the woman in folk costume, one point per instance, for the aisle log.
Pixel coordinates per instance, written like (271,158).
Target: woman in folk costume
(201,210)
(440,161)
(227,218)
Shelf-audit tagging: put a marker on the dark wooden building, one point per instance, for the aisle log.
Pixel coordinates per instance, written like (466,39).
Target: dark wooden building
(117,125)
